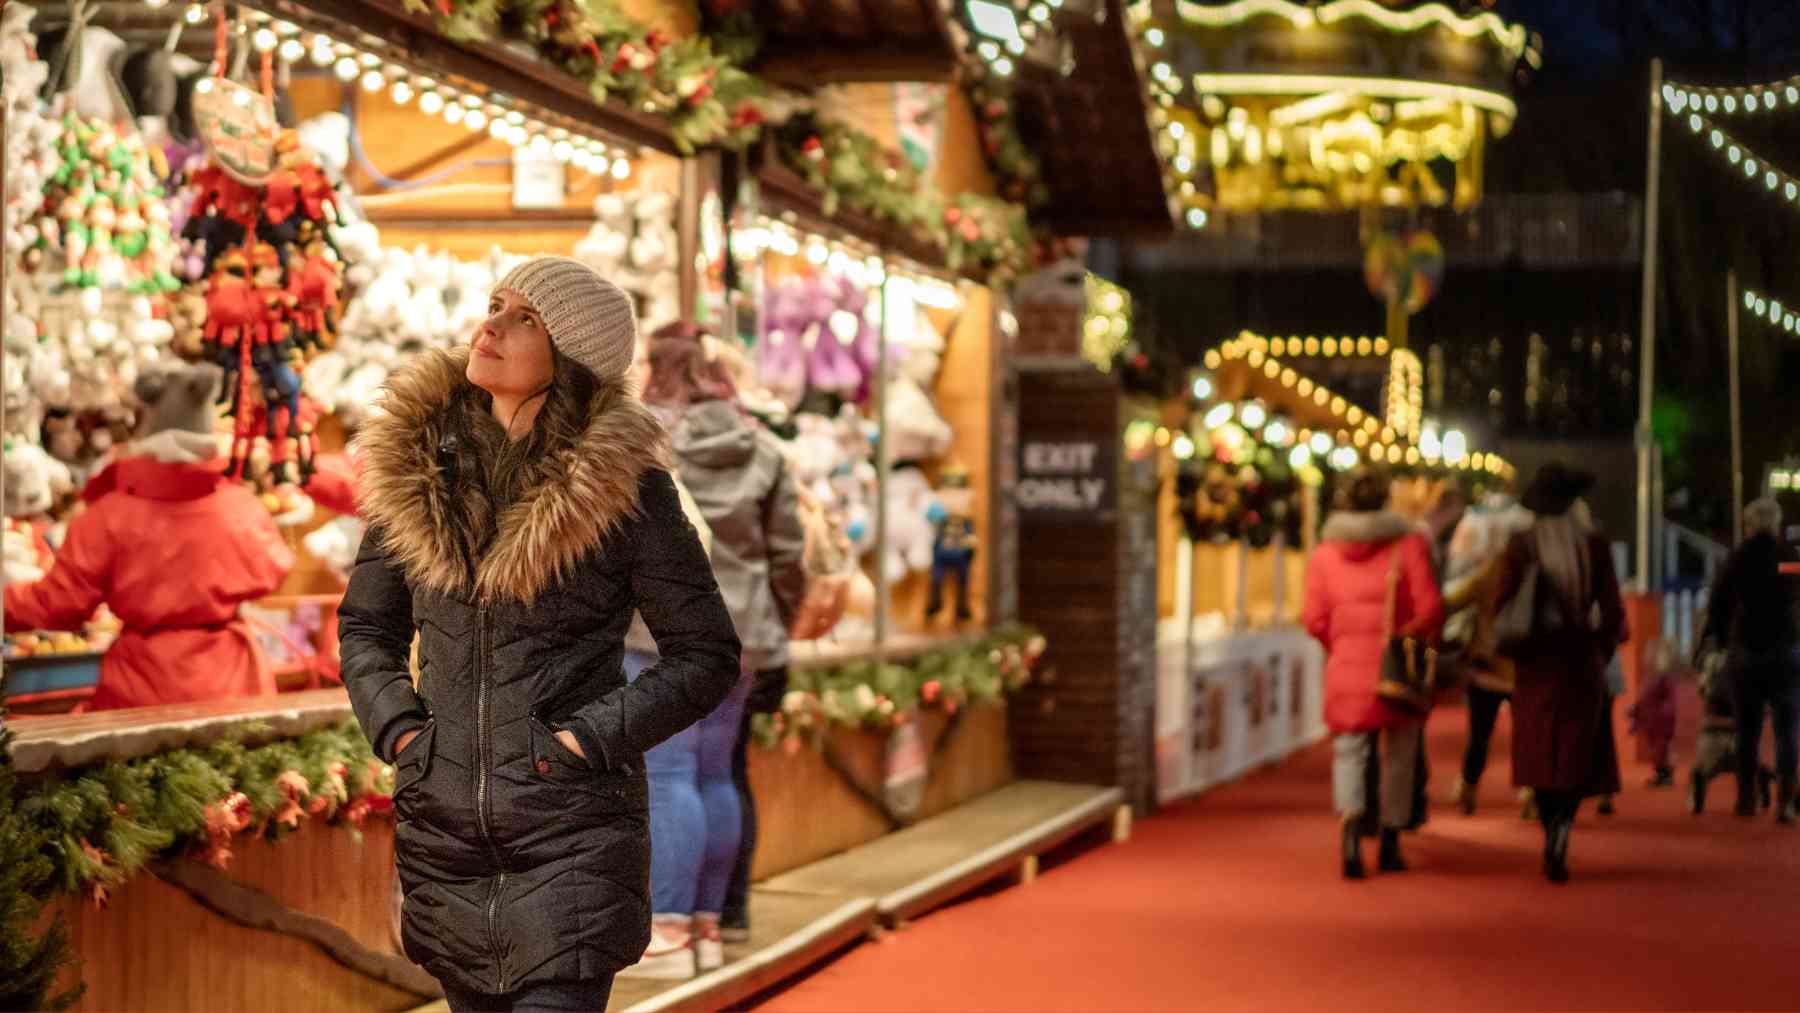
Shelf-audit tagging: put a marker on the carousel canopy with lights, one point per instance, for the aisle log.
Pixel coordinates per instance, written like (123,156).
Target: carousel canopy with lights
(1272,104)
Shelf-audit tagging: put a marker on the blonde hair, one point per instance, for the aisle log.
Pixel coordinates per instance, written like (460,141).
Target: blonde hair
(1762,517)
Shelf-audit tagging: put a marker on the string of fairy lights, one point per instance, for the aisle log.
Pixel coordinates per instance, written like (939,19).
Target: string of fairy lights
(1766,308)
(1747,99)
(1755,170)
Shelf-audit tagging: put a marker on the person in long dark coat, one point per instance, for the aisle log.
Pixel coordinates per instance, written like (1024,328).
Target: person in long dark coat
(1563,745)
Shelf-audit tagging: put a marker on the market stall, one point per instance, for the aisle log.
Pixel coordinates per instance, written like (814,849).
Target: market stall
(1249,462)
(307,192)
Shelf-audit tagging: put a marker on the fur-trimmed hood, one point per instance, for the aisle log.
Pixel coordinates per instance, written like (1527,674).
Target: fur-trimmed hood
(1364,532)
(578,497)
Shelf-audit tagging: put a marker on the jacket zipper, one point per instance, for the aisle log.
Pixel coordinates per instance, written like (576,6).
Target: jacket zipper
(484,747)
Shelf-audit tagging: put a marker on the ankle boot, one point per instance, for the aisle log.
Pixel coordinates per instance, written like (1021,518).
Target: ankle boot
(1556,851)
(1697,794)
(1389,859)
(1352,849)
(1462,796)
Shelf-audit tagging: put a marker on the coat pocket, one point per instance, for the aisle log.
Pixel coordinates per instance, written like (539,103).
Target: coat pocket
(551,757)
(414,762)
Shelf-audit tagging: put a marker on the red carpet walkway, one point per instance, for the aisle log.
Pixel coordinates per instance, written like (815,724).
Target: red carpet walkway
(1233,902)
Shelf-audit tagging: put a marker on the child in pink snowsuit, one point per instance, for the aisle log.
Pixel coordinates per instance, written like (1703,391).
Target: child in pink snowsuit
(1653,713)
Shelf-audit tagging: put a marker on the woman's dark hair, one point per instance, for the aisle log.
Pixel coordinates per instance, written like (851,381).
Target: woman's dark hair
(1364,490)
(499,469)
(681,372)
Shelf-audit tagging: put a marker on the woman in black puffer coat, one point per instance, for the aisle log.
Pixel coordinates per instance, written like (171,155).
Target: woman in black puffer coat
(520,508)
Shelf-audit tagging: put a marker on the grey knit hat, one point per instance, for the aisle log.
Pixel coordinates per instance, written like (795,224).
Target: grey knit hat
(590,319)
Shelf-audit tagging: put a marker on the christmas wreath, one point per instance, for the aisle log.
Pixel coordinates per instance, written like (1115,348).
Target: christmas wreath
(1223,499)
(877,695)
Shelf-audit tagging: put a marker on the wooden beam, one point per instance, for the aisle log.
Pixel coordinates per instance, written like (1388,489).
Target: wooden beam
(807,68)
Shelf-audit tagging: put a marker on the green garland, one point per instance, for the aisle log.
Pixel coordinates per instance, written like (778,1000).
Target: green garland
(30,958)
(705,95)
(876,695)
(102,825)
(986,236)
(1020,171)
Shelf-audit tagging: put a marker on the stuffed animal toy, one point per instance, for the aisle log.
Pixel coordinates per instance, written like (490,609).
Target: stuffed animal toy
(916,432)
(909,527)
(953,542)
(35,481)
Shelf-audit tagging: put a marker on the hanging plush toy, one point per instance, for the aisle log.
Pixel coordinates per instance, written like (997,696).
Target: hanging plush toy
(954,541)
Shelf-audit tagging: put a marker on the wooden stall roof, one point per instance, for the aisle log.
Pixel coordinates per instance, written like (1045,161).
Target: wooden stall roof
(813,42)
(388,29)
(1091,127)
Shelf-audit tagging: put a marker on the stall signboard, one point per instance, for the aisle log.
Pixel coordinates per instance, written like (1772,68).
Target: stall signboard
(1072,477)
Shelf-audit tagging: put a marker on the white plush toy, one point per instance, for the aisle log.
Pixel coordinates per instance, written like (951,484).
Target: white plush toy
(908,526)
(335,543)
(34,480)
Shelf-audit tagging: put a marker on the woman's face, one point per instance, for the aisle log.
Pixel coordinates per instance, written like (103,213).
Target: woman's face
(511,356)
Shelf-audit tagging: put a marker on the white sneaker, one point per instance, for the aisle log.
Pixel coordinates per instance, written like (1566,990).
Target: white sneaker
(670,955)
(709,947)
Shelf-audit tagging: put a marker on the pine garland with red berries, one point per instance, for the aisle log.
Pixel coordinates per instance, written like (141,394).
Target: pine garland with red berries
(706,95)
(103,824)
(876,695)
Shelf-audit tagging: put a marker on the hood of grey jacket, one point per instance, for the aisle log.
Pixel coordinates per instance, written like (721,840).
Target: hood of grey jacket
(738,477)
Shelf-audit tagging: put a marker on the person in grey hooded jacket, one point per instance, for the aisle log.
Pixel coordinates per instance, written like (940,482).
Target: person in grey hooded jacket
(701,817)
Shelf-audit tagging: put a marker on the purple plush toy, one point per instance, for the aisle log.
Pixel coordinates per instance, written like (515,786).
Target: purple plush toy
(781,354)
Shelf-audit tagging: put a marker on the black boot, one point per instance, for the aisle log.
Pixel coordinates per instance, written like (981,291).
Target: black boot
(1697,794)
(1352,838)
(1765,785)
(1556,851)
(1665,776)
(1389,859)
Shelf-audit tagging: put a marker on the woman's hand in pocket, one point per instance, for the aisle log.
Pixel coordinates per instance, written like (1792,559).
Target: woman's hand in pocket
(570,742)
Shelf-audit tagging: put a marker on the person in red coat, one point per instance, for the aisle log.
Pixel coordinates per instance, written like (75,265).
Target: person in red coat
(1563,745)
(173,548)
(1364,549)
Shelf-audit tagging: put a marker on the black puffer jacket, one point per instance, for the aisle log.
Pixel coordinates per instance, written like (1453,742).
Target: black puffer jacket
(521,862)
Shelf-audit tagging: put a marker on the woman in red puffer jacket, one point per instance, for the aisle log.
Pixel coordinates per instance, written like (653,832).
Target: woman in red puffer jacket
(1362,548)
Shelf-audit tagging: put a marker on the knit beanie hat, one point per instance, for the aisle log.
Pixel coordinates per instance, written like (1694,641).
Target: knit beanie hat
(590,319)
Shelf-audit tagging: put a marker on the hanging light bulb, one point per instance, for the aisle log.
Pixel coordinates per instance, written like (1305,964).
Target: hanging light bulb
(1217,416)
(322,56)
(539,145)
(373,81)
(453,113)
(1003,67)
(346,70)
(293,51)
(496,129)
(1321,444)
(402,93)
(1253,415)
(194,14)
(431,103)
(621,169)
(265,40)
(562,151)
(474,119)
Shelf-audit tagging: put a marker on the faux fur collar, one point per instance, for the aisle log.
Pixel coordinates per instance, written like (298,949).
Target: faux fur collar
(579,497)
(1373,526)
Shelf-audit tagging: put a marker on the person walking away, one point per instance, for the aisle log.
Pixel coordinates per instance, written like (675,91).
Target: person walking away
(520,508)
(742,487)
(1369,578)
(1563,745)
(1471,598)
(1715,750)
(1751,612)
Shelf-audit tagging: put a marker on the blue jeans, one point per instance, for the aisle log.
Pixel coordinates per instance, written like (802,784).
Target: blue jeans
(547,997)
(696,816)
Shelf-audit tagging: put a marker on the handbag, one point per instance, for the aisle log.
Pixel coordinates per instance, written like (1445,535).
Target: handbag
(1529,615)
(830,564)
(1408,678)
